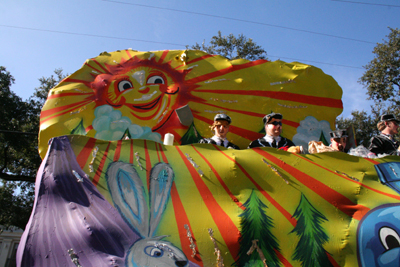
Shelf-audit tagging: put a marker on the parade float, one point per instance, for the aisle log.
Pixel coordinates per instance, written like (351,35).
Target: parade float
(110,193)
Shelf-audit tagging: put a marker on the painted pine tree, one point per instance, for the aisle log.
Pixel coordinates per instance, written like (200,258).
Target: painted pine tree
(323,139)
(309,250)
(255,224)
(192,136)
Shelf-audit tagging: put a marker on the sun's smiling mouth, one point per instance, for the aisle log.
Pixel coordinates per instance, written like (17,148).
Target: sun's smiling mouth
(148,105)
(145,97)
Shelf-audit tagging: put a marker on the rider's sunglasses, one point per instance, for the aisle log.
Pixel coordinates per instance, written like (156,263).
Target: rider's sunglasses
(276,123)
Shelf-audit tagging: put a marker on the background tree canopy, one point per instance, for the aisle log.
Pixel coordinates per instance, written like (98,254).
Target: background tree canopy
(19,157)
(382,80)
(382,75)
(233,47)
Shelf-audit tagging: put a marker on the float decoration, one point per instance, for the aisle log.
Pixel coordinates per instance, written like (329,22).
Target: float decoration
(144,95)
(323,214)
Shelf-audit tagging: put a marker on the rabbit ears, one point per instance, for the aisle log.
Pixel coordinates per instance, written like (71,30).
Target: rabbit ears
(129,195)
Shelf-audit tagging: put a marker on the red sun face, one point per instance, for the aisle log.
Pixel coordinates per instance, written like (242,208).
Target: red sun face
(143,91)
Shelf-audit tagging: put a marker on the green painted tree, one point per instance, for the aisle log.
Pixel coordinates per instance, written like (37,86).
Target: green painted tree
(323,139)
(256,224)
(310,251)
(191,136)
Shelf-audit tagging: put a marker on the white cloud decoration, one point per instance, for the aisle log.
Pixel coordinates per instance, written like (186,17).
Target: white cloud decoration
(310,130)
(111,125)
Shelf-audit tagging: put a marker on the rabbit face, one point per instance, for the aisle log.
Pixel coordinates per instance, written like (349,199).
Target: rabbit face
(155,252)
(129,196)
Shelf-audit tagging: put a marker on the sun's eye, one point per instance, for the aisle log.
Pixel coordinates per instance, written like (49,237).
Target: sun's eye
(389,238)
(156,79)
(153,251)
(124,85)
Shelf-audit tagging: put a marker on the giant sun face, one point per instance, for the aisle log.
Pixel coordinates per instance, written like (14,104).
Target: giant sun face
(146,91)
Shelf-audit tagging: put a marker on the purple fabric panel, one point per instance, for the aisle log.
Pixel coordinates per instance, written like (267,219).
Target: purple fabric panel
(22,242)
(70,214)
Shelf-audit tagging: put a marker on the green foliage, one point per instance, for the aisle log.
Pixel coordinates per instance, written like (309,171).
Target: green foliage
(46,84)
(382,75)
(364,126)
(19,157)
(309,250)
(381,79)
(15,209)
(37,100)
(233,47)
(255,224)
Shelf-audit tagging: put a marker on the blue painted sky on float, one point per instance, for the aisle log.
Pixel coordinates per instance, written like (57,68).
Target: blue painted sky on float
(337,36)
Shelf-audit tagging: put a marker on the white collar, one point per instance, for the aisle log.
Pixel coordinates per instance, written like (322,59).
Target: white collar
(388,136)
(219,140)
(270,138)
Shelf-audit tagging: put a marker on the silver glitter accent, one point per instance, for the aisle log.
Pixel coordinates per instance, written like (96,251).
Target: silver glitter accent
(192,244)
(146,97)
(197,167)
(282,82)
(138,161)
(395,173)
(213,81)
(348,176)
(288,106)
(191,160)
(191,67)
(74,257)
(214,111)
(224,100)
(78,111)
(255,246)
(163,114)
(275,170)
(78,177)
(94,154)
(217,251)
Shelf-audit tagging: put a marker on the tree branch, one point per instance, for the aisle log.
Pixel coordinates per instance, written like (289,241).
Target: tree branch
(18,132)
(5,159)
(22,178)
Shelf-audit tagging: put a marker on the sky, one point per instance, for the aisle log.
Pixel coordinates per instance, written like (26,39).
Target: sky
(337,36)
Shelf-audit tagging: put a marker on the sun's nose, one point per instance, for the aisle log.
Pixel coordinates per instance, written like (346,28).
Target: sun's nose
(144,89)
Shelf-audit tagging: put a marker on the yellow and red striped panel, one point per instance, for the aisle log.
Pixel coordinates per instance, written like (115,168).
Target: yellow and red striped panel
(211,192)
